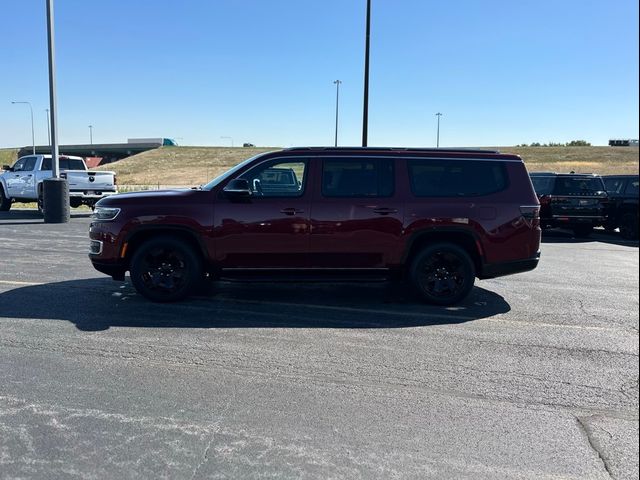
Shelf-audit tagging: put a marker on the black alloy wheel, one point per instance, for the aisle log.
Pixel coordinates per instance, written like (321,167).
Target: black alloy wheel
(443,274)
(165,270)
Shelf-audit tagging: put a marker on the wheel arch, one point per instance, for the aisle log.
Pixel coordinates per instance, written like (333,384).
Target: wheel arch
(140,235)
(464,238)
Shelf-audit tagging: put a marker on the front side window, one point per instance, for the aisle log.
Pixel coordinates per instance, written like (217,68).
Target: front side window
(277,178)
(632,188)
(358,177)
(456,178)
(19,165)
(29,164)
(614,185)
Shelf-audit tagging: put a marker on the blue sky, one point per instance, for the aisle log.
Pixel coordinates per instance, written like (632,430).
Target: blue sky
(262,71)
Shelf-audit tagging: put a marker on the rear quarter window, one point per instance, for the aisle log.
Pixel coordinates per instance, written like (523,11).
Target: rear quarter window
(543,185)
(456,178)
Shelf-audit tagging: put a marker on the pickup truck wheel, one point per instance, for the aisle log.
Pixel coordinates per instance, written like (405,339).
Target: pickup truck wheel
(443,274)
(165,270)
(40,202)
(629,226)
(5,203)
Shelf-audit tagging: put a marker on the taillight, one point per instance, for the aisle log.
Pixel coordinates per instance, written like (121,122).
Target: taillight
(531,214)
(545,199)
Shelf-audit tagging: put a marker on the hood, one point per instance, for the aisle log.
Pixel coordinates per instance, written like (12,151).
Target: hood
(148,197)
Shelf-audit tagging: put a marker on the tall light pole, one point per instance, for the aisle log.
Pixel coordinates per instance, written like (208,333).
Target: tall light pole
(337,84)
(365,108)
(48,128)
(229,138)
(438,131)
(33,137)
(55,190)
(91,134)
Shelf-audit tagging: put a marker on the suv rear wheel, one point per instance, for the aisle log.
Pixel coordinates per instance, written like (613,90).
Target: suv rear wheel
(583,231)
(443,274)
(165,270)
(629,226)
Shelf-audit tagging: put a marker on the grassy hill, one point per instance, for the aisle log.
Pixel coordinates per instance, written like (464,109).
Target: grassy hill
(197,165)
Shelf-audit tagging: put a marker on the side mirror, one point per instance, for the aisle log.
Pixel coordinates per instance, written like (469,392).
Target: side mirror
(237,188)
(6,167)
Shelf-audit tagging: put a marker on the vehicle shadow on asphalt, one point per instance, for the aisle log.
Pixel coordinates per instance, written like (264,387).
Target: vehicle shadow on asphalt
(566,236)
(100,303)
(29,216)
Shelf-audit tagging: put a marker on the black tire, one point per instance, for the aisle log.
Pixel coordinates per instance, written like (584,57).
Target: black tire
(582,231)
(165,269)
(5,203)
(40,201)
(629,226)
(442,274)
(75,202)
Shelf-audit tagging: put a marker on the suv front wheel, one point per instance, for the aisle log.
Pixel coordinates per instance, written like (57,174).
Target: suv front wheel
(165,270)
(443,274)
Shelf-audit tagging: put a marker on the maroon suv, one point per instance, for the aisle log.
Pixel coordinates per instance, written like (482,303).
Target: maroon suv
(436,217)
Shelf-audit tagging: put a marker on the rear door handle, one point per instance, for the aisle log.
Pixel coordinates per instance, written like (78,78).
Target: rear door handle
(291,211)
(385,210)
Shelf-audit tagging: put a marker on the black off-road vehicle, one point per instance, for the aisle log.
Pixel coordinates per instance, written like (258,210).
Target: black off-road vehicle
(623,204)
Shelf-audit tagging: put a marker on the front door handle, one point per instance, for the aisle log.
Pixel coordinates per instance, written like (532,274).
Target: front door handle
(291,211)
(385,210)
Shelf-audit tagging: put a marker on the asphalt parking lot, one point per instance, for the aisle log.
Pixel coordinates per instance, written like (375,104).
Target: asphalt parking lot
(535,376)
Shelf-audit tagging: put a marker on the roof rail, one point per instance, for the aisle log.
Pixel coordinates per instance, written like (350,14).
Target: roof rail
(394,149)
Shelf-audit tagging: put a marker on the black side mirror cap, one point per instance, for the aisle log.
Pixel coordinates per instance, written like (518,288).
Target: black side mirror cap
(6,167)
(237,188)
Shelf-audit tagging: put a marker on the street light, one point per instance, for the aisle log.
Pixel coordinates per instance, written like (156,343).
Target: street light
(337,84)
(229,138)
(33,137)
(365,108)
(438,134)
(48,128)
(91,134)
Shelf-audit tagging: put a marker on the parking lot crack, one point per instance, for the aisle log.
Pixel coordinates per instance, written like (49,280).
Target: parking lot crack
(593,443)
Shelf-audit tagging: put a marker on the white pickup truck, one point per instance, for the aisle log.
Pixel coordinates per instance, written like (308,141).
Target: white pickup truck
(23,181)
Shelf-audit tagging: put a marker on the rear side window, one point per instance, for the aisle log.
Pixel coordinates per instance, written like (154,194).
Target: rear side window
(578,185)
(64,163)
(456,178)
(543,185)
(367,177)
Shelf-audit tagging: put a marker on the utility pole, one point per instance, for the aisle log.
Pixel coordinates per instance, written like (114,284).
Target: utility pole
(33,137)
(48,128)
(337,84)
(365,109)
(91,134)
(438,131)
(55,190)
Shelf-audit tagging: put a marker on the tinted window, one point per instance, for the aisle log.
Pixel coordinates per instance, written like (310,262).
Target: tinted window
(277,179)
(64,164)
(578,185)
(632,188)
(455,178)
(368,177)
(19,165)
(543,185)
(614,184)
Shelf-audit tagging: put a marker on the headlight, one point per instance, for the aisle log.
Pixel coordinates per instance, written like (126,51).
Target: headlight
(105,213)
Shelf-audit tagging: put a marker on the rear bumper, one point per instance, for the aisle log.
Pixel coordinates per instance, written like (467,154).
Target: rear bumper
(94,195)
(569,221)
(493,270)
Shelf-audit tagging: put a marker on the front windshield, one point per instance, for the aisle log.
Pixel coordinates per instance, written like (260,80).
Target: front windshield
(229,173)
